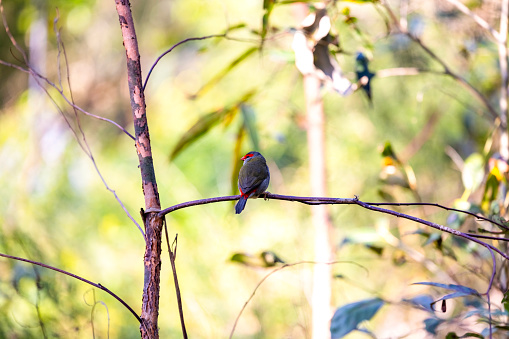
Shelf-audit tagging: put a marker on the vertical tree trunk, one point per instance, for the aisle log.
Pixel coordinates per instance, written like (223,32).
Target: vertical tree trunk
(321,296)
(153,224)
(321,293)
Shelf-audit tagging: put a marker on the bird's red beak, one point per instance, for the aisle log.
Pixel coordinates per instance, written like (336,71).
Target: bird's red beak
(245,157)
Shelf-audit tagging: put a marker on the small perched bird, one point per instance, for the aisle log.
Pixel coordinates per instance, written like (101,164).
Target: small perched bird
(254,178)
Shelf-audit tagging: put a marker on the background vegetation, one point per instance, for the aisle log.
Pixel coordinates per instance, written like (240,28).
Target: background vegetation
(54,208)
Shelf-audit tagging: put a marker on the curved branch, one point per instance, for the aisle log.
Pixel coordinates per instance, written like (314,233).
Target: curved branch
(435,57)
(354,201)
(99,286)
(279,269)
(480,21)
(173,47)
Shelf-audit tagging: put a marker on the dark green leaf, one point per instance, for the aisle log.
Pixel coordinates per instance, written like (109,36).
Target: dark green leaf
(242,258)
(348,317)
(377,249)
(473,172)
(268,5)
(203,124)
(206,122)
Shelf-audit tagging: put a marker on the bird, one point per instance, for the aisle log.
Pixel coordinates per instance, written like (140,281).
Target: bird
(254,178)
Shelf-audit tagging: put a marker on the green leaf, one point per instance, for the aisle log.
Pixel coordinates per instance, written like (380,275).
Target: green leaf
(490,191)
(263,259)
(348,317)
(219,76)
(237,163)
(268,5)
(473,172)
(203,124)
(249,116)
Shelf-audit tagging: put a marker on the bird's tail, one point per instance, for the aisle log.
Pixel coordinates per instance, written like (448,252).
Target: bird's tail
(240,204)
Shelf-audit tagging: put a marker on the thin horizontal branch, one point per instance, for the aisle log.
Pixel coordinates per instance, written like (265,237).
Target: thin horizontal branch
(355,201)
(399,71)
(99,286)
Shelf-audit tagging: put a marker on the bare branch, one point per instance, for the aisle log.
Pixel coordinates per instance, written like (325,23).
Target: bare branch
(399,71)
(447,70)
(38,77)
(356,201)
(173,256)
(99,286)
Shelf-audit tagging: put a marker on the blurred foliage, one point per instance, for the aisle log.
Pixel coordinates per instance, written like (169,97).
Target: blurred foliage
(425,138)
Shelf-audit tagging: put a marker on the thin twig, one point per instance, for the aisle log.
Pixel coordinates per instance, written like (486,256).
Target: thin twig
(279,269)
(37,76)
(99,286)
(173,256)
(173,47)
(435,57)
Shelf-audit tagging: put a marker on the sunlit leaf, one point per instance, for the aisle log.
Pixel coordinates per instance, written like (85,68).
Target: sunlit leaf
(219,76)
(237,154)
(242,258)
(473,172)
(206,122)
(203,124)
(490,189)
(263,259)
(348,317)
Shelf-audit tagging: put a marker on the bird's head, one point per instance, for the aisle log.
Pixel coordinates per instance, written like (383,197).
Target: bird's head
(250,156)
